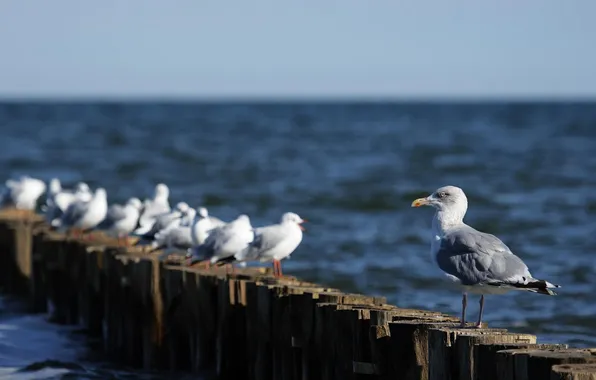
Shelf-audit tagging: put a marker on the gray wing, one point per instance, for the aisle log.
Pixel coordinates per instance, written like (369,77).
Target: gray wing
(218,237)
(74,212)
(266,239)
(115,213)
(162,221)
(476,258)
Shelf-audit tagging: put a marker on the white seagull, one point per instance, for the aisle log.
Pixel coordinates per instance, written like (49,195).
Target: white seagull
(161,221)
(202,225)
(158,205)
(59,199)
(23,193)
(122,220)
(225,241)
(175,236)
(83,216)
(274,242)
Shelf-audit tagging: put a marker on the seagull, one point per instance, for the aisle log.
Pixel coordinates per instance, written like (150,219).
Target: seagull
(176,235)
(274,242)
(161,221)
(202,225)
(54,188)
(23,193)
(58,199)
(83,215)
(121,220)
(478,262)
(225,241)
(153,207)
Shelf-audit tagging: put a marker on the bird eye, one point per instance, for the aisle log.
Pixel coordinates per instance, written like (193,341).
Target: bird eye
(442,194)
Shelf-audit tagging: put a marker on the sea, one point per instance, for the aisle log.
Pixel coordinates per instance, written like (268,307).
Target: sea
(352,170)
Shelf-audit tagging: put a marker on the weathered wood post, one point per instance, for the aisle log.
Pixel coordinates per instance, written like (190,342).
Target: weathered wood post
(16,242)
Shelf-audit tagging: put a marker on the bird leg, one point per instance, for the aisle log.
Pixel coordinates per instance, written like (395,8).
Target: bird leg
(479,324)
(277,268)
(464,303)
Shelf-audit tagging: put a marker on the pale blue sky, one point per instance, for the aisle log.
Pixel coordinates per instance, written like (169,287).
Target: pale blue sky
(268,48)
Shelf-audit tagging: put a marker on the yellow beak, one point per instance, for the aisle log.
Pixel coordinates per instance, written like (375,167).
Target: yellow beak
(420,202)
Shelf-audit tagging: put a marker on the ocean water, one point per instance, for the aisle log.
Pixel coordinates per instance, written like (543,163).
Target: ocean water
(352,170)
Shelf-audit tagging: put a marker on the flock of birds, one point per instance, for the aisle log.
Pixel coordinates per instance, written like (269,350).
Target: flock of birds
(476,261)
(205,238)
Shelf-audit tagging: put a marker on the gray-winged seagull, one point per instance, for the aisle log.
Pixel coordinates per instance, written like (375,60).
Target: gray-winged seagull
(479,262)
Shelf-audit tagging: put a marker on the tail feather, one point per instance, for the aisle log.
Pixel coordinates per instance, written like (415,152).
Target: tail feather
(533,285)
(224,260)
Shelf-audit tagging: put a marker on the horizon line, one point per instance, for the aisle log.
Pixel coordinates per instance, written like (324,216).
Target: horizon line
(5,98)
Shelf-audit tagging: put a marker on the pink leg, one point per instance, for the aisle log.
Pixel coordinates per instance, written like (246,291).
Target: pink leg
(479,323)
(276,268)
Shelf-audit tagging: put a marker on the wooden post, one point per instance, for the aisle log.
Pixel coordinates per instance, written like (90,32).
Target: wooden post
(16,240)
(573,372)
(452,350)
(529,364)
(486,362)
(39,283)
(409,343)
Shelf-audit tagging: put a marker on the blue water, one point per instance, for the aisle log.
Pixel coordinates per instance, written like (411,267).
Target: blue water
(352,170)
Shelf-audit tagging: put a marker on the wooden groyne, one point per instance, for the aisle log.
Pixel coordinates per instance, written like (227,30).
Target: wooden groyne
(250,325)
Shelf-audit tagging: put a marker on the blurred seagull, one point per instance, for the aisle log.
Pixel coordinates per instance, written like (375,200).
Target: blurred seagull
(224,241)
(175,236)
(203,224)
(23,193)
(121,220)
(274,242)
(152,207)
(161,221)
(82,216)
(58,199)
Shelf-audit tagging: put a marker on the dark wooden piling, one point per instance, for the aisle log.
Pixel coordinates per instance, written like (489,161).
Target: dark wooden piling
(250,325)
(16,241)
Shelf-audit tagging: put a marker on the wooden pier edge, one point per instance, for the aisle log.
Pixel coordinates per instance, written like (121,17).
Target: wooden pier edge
(250,325)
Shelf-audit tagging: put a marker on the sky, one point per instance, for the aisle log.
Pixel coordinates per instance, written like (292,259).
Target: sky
(303,49)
